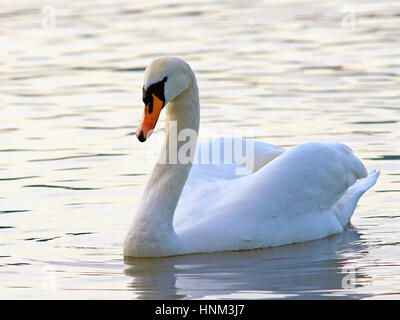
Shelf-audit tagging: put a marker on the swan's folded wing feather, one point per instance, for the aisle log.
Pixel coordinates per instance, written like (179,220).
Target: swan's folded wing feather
(308,178)
(306,181)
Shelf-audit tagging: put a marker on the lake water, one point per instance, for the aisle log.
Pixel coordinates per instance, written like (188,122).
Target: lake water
(72,171)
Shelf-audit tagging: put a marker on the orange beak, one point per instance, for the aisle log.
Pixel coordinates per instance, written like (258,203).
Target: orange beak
(150,116)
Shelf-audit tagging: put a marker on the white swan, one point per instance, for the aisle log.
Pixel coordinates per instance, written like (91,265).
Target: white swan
(306,193)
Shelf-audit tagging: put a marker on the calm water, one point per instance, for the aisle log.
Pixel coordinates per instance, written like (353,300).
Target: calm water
(72,172)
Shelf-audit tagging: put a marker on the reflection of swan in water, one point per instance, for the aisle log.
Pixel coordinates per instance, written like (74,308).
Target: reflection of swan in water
(305,270)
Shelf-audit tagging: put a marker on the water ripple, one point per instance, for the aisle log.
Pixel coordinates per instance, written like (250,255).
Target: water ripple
(290,72)
(61,187)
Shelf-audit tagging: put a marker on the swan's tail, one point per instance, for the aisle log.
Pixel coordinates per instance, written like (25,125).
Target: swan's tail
(345,207)
(363,185)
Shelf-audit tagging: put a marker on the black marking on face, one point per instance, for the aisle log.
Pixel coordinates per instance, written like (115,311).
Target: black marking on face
(156,89)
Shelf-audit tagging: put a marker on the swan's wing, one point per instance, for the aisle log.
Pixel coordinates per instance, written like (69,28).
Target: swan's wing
(308,179)
(311,177)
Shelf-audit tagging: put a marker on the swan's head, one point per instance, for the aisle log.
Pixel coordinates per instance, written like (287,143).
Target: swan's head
(164,80)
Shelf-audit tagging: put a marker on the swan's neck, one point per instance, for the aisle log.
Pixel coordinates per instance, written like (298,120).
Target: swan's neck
(152,228)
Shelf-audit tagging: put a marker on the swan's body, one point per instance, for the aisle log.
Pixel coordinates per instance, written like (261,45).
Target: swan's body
(306,193)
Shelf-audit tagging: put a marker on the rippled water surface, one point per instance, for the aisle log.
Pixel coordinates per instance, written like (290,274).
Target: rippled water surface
(72,172)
